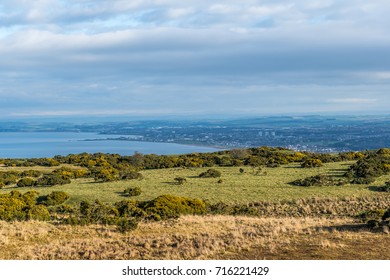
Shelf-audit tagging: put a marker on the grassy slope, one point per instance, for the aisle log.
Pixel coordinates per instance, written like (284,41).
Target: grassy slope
(235,188)
(209,237)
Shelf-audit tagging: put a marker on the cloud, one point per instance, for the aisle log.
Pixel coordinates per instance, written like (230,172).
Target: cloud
(188,56)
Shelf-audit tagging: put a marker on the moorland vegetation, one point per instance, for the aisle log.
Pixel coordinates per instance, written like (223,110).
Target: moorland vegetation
(123,192)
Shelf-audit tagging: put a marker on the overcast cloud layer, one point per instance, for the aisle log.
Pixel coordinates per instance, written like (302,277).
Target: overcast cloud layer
(162,57)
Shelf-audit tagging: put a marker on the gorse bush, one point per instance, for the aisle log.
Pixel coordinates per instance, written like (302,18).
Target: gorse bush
(9,177)
(31,173)
(38,212)
(15,206)
(52,179)
(318,180)
(365,170)
(126,224)
(311,163)
(130,208)
(26,182)
(54,198)
(169,206)
(136,191)
(130,175)
(210,173)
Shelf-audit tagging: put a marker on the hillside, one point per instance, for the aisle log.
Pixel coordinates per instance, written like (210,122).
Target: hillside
(318,205)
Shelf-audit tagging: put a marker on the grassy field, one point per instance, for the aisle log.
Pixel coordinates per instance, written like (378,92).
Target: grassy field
(271,185)
(320,224)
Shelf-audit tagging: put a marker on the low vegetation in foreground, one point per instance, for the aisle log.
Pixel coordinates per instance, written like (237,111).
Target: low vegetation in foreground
(248,203)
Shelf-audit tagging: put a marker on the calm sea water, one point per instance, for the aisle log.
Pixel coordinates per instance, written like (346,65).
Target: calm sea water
(49,144)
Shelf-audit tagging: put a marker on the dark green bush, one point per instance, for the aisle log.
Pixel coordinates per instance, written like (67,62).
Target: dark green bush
(366,169)
(219,208)
(9,177)
(125,224)
(26,182)
(385,188)
(65,209)
(38,212)
(373,223)
(52,179)
(386,215)
(31,173)
(97,212)
(55,198)
(130,175)
(311,163)
(372,215)
(130,208)
(136,191)
(211,173)
(318,180)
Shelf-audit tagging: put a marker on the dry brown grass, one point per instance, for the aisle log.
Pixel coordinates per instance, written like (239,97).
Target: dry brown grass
(195,237)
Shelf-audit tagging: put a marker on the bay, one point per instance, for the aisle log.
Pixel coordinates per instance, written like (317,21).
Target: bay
(49,144)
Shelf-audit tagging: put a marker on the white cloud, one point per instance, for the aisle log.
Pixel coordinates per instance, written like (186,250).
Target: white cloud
(145,54)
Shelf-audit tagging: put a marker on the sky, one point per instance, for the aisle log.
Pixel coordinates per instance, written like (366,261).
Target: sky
(184,58)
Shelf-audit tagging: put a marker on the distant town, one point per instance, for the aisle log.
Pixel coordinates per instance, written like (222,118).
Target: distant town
(310,133)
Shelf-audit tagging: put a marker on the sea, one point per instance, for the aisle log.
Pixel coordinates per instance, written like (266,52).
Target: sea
(50,144)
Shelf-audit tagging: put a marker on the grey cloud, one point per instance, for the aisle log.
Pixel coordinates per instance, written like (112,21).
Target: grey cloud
(146,55)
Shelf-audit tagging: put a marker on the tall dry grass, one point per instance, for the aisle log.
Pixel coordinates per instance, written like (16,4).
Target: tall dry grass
(193,237)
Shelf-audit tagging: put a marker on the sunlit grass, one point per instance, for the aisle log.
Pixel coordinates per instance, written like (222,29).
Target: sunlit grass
(235,187)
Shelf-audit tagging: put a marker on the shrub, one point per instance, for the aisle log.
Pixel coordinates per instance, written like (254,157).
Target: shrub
(55,198)
(362,180)
(385,188)
(105,174)
(65,209)
(31,173)
(130,208)
(12,208)
(97,212)
(371,215)
(311,163)
(365,170)
(180,180)
(126,224)
(136,191)
(318,180)
(26,182)
(38,212)
(220,208)
(373,223)
(9,177)
(169,206)
(130,175)
(211,173)
(386,215)
(30,198)
(52,179)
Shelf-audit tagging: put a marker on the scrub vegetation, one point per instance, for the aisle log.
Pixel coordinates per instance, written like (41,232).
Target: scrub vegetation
(259,203)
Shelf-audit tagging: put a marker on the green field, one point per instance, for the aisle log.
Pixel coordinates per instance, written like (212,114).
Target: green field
(271,185)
